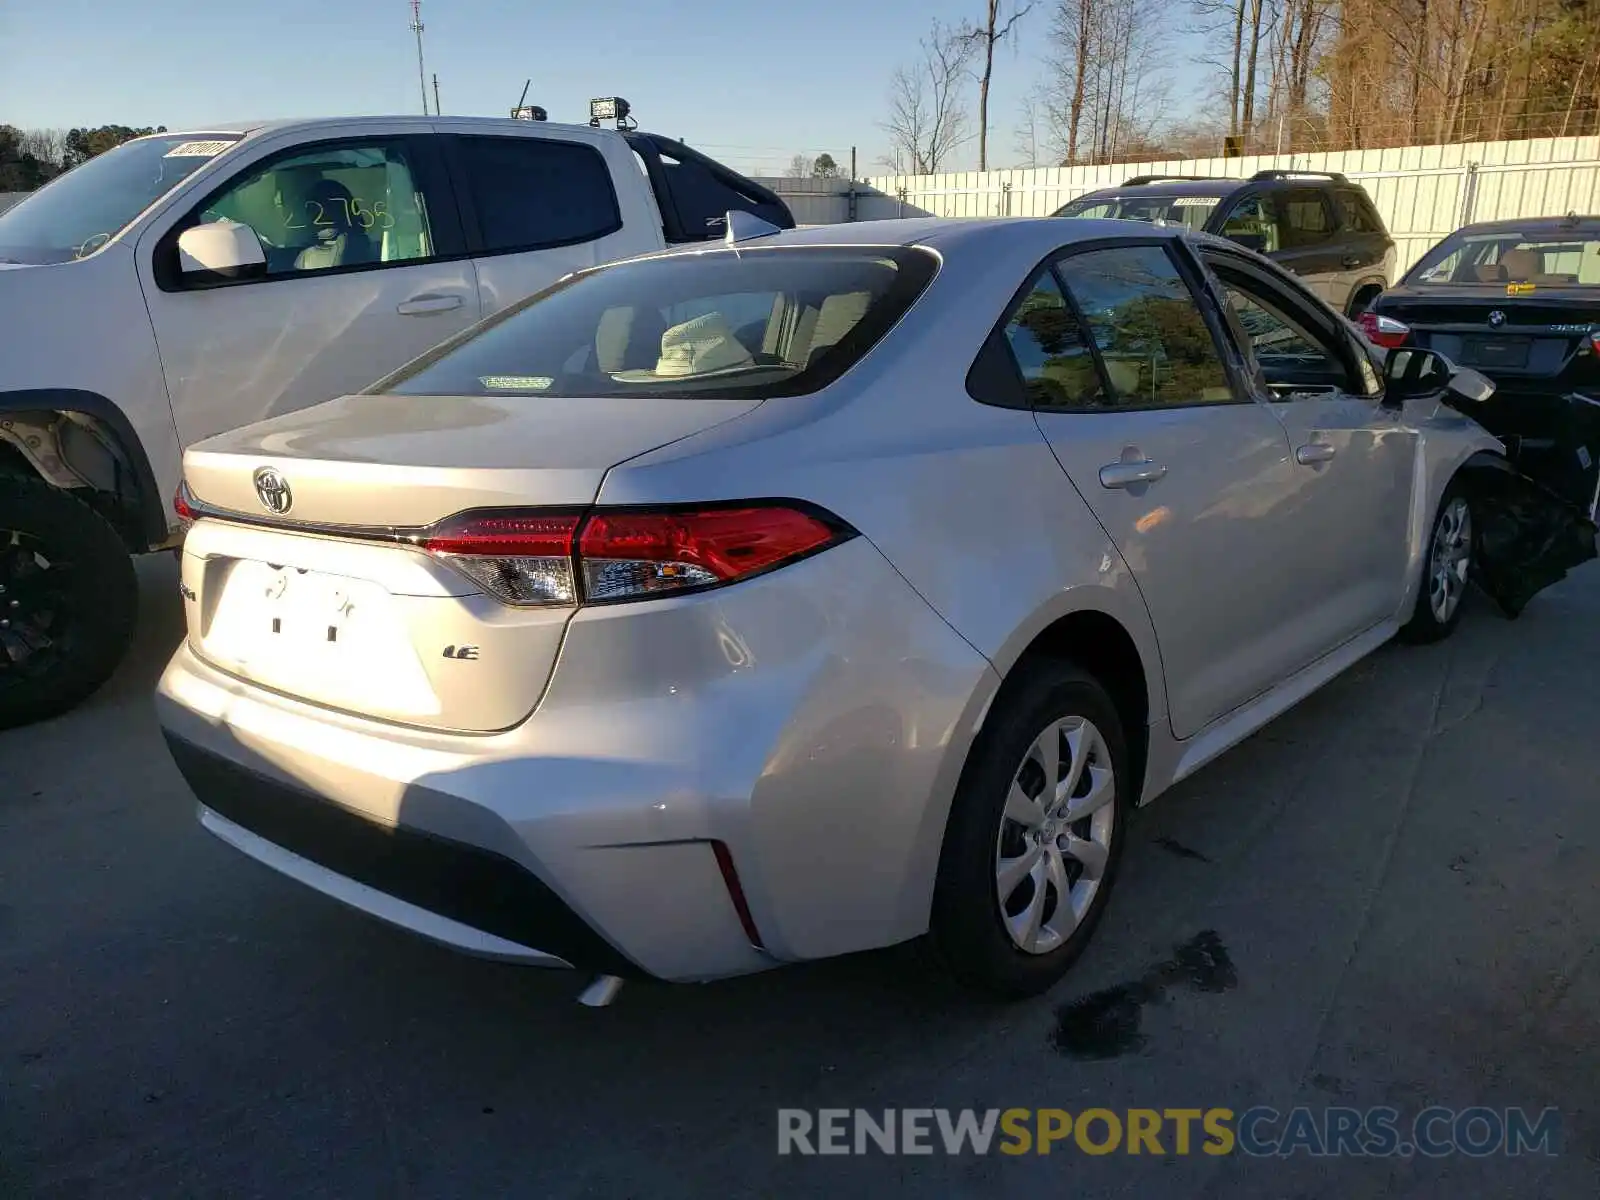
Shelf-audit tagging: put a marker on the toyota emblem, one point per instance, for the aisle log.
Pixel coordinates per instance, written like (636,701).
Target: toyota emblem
(273,490)
(1497,318)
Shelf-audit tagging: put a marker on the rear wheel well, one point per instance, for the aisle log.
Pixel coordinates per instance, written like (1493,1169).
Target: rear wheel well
(1363,296)
(1100,645)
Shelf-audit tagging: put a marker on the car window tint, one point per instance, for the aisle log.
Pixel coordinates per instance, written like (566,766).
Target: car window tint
(1153,340)
(1289,353)
(530,192)
(1253,217)
(338,206)
(1305,218)
(1358,217)
(1051,353)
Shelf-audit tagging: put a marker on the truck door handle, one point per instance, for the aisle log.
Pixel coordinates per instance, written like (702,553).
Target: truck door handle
(1127,474)
(419,306)
(1314,452)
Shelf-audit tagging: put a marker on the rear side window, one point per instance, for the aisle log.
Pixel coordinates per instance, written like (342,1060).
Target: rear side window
(779,321)
(530,193)
(1153,340)
(1358,213)
(1051,352)
(1305,218)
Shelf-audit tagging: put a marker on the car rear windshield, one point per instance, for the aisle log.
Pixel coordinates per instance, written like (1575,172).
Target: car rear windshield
(1192,212)
(752,323)
(1556,258)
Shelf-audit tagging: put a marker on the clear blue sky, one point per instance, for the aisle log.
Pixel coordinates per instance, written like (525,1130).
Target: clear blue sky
(750,81)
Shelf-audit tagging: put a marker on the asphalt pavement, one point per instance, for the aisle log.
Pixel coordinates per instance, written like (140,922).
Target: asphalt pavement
(1389,897)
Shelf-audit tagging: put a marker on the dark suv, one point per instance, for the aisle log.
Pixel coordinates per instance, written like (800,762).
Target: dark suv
(1320,226)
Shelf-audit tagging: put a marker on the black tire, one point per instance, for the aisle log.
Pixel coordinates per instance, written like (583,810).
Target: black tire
(968,929)
(1425,624)
(66,635)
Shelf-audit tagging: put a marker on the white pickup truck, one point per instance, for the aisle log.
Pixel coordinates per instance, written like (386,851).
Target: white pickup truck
(189,283)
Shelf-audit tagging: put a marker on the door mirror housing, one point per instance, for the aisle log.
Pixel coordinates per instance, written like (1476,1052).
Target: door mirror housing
(1409,372)
(1250,241)
(220,250)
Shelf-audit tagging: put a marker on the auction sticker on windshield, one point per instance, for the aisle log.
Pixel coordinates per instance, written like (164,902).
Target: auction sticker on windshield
(198,149)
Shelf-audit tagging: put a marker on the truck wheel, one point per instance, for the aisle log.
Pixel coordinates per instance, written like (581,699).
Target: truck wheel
(68,600)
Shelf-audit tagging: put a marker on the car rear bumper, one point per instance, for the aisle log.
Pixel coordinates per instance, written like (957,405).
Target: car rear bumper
(806,729)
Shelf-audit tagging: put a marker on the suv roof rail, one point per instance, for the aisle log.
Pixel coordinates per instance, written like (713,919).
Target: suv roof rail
(1138,179)
(1335,176)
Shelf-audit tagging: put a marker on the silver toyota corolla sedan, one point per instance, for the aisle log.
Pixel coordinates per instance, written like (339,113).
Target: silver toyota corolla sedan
(808,593)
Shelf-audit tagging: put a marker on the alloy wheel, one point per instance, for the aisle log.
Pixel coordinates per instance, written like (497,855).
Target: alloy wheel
(1055,834)
(1451,559)
(35,613)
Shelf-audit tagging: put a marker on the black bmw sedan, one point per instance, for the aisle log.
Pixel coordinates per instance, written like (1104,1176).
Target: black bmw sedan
(1519,301)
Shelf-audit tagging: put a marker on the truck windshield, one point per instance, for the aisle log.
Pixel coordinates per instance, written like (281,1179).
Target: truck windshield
(1554,258)
(76,214)
(1192,212)
(777,321)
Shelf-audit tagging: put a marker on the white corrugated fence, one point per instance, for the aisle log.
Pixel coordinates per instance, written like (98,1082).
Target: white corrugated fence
(1422,192)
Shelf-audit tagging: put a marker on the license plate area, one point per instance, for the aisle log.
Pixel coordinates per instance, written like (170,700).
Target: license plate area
(327,638)
(1511,352)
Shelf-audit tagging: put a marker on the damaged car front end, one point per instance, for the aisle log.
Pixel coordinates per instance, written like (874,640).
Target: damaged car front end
(1530,530)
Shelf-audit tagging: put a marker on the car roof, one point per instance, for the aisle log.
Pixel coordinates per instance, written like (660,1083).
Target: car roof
(1572,222)
(1171,187)
(254,127)
(966,235)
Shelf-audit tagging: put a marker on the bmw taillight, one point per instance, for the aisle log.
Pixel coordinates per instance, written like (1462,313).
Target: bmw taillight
(607,555)
(1384,331)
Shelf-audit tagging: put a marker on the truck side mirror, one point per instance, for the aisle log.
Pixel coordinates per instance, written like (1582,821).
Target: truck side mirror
(220,250)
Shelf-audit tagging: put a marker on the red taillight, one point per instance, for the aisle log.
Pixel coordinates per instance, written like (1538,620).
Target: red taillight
(539,558)
(1594,340)
(183,504)
(638,554)
(1384,331)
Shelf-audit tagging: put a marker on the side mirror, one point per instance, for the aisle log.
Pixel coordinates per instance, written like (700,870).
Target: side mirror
(220,250)
(1409,372)
(1250,241)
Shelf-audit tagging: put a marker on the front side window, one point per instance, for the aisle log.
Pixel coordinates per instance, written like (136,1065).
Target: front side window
(74,215)
(1051,352)
(531,192)
(1288,352)
(335,206)
(748,324)
(1305,218)
(1152,337)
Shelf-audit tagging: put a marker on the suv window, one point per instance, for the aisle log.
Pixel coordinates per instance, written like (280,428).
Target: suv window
(530,193)
(1153,341)
(1305,217)
(736,324)
(1359,215)
(1051,352)
(334,206)
(1254,217)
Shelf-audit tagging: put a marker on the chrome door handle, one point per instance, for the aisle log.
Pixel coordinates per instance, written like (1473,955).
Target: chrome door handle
(1127,474)
(1351,262)
(1314,452)
(422,305)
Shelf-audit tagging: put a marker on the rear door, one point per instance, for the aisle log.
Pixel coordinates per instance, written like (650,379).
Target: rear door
(1189,475)
(1308,246)
(539,205)
(365,270)
(1352,456)
(1367,251)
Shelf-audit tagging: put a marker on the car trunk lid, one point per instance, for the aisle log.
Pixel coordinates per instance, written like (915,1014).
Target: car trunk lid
(333,599)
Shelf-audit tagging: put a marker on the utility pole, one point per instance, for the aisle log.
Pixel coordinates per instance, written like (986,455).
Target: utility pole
(436,93)
(416,28)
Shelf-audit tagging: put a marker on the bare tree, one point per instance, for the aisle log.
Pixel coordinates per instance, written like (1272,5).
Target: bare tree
(927,114)
(983,39)
(799,167)
(1103,82)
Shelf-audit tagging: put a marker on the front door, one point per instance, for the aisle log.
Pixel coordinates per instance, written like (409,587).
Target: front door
(1189,475)
(1352,455)
(364,272)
